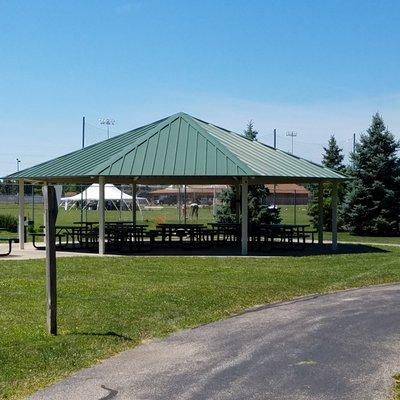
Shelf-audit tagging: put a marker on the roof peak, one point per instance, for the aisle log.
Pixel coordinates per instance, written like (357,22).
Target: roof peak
(179,145)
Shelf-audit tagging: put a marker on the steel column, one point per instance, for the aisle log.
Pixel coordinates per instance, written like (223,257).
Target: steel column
(334,215)
(321,213)
(21,213)
(102,216)
(245,214)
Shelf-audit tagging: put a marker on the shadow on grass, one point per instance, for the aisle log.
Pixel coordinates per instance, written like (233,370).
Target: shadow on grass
(326,249)
(110,334)
(290,251)
(230,250)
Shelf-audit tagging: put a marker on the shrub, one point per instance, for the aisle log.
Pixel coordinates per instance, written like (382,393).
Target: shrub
(9,222)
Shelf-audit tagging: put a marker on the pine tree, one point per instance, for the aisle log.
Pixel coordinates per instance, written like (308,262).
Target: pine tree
(257,203)
(372,205)
(250,132)
(333,159)
(257,198)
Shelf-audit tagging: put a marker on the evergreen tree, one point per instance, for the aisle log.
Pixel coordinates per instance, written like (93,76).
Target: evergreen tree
(250,132)
(333,159)
(257,197)
(257,203)
(372,205)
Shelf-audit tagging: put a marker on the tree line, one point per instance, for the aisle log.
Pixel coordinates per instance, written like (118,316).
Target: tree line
(369,202)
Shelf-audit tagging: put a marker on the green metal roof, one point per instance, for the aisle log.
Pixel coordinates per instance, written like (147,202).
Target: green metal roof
(178,146)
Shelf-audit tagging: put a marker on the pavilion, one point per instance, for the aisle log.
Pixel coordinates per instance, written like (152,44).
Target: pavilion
(180,150)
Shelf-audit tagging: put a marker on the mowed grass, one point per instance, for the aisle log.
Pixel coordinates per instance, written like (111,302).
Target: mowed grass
(397,387)
(110,304)
(348,237)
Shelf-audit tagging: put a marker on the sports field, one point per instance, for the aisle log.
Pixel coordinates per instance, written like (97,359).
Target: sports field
(148,216)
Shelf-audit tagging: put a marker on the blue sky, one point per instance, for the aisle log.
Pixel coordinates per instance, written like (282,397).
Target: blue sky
(315,67)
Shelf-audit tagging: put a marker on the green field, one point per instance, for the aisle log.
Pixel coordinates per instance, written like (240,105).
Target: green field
(151,217)
(110,304)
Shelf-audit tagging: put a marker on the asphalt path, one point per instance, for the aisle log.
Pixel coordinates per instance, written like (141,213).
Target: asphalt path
(344,345)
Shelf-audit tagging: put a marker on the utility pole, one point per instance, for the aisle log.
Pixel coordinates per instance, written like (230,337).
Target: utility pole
(107,122)
(83,132)
(292,135)
(18,162)
(274,138)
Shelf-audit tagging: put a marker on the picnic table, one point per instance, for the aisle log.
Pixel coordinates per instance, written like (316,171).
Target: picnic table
(180,230)
(78,234)
(10,241)
(124,223)
(286,234)
(87,223)
(225,231)
(125,234)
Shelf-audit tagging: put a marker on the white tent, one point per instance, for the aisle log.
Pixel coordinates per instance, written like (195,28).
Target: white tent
(90,198)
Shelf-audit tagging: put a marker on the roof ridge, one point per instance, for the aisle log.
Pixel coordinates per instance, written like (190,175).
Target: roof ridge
(301,158)
(163,122)
(190,120)
(272,148)
(233,157)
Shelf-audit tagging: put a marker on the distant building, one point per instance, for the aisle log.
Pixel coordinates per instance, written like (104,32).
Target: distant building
(286,194)
(202,194)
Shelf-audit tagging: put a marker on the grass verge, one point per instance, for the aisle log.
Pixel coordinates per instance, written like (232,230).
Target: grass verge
(111,304)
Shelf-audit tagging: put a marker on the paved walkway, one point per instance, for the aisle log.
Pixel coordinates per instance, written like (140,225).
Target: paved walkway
(30,253)
(338,346)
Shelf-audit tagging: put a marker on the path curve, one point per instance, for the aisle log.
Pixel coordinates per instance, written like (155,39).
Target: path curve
(344,345)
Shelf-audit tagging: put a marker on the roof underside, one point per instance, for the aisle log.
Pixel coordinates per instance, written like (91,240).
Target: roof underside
(178,148)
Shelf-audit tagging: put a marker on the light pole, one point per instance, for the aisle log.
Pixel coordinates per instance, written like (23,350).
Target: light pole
(292,135)
(18,162)
(107,122)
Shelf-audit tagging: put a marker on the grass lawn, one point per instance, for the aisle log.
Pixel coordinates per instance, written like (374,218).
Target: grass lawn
(111,304)
(397,388)
(348,237)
